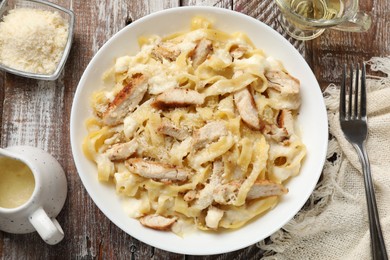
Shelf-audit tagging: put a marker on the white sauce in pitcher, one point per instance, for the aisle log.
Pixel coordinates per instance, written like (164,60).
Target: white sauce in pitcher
(17,183)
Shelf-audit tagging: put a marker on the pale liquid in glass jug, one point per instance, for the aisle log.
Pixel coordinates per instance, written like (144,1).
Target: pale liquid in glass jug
(316,9)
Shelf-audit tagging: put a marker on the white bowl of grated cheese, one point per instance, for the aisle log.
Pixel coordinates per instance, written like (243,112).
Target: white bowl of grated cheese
(35,38)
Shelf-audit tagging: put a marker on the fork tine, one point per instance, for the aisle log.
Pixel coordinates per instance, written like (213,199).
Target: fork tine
(363,91)
(342,94)
(349,112)
(356,104)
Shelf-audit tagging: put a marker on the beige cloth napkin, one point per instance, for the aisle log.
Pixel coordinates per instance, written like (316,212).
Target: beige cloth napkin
(334,222)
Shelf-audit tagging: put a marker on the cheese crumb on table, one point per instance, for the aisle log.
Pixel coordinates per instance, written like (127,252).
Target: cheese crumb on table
(32,40)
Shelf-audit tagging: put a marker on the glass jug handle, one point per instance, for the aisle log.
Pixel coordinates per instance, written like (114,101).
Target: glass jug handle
(360,22)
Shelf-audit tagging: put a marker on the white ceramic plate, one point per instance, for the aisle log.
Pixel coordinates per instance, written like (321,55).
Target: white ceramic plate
(312,120)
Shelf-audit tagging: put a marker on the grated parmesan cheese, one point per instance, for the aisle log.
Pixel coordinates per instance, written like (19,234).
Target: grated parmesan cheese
(32,40)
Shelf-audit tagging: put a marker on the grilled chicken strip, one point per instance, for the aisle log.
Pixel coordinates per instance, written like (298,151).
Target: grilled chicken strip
(201,51)
(126,100)
(122,151)
(284,128)
(206,195)
(276,133)
(165,50)
(178,98)
(283,82)
(209,133)
(247,108)
(156,170)
(227,193)
(265,189)
(158,222)
(169,129)
(286,121)
(238,51)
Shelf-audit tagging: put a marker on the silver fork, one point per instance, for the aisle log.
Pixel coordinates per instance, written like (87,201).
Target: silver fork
(353,122)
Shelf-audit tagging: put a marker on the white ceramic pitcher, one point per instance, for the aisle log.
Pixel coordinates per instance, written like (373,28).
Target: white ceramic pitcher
(48,197)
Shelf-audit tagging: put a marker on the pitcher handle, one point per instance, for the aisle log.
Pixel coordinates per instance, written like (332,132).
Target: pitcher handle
(48,228)
(360,22)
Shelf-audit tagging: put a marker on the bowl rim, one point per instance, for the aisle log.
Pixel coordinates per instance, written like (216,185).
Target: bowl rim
(75,146)
(65,53)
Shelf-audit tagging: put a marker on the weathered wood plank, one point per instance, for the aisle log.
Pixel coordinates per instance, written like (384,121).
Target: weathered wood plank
(2,90)
(218,3)
(332,49)
(139,9)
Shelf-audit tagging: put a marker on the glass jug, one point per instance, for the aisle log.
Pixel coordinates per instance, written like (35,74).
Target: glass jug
(307,19)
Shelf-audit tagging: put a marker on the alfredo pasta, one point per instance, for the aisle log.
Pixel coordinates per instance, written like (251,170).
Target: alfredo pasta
(197,128)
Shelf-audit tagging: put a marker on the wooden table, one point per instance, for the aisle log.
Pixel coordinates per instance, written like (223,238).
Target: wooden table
(37,113)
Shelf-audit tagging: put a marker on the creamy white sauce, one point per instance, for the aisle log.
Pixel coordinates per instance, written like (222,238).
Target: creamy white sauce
(17,183)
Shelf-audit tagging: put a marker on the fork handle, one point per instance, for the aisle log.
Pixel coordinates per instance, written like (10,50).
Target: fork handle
(378,246)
